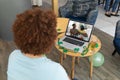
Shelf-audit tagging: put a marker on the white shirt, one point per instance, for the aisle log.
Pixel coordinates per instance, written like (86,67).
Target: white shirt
(21,67)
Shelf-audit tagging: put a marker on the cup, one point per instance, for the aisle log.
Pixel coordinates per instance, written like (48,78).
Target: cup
(92,45)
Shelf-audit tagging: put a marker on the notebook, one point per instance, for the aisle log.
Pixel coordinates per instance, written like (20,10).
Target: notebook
(77,35)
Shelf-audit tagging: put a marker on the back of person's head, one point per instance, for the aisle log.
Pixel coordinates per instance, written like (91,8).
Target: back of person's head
(35,31)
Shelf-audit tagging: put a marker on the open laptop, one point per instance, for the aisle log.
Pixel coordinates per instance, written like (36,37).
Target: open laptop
(77,35)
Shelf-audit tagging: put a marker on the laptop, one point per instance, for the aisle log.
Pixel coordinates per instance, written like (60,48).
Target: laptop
(77,35)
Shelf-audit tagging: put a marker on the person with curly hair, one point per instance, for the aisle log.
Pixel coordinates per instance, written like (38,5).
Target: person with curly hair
(34,34)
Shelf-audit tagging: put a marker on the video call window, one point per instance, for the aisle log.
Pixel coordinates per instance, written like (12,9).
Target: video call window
(79,30)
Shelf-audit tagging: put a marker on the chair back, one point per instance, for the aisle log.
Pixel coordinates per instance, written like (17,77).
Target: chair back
(116,40)
(117,31)
(80,10)
(82,7)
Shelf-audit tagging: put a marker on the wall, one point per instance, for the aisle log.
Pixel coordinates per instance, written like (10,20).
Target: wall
(8,11)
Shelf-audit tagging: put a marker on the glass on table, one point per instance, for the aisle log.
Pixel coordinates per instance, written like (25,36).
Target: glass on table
(92,46)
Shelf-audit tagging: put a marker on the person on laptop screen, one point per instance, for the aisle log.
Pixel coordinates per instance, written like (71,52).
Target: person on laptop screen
(80,33)
(83,35)
(74,32)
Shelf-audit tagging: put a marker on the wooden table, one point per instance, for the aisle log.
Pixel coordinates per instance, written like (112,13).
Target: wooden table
(62,24)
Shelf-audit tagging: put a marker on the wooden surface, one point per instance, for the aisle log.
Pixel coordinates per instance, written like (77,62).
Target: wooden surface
(62,25)
(55,6)
(110,70)
(90,52)
(91,67)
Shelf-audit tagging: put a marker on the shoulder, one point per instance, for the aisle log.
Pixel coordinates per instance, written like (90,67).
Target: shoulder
(14,54)
(16,51)
(13,58)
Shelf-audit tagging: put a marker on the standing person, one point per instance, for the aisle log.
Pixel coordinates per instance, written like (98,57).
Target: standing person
(115,4)
(107,7)
(34,34)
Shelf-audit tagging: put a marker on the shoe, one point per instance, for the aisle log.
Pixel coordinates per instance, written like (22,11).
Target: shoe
(108,15)
(115,15)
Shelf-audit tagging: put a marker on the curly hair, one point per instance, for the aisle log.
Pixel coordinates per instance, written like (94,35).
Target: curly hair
(35,31)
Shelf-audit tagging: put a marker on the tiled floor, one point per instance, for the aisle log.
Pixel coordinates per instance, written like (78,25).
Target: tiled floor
(106,24)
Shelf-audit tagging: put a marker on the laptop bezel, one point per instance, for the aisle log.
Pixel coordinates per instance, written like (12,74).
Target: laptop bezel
(76,37)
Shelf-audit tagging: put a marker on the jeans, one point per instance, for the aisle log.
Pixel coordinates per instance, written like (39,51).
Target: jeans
(107,5)
(115,5)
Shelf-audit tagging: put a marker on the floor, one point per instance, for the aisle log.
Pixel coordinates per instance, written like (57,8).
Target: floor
(110,70)
(106,24)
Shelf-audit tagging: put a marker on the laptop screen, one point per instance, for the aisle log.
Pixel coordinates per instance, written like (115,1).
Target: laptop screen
(79,30)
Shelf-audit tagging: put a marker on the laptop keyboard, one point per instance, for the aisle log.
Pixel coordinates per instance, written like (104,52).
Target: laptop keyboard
(69,40)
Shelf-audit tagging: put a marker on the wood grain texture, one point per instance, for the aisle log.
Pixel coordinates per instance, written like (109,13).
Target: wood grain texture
(110,70)
(55,6)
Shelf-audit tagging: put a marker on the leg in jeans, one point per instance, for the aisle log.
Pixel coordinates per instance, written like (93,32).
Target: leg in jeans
(115,5)
(107,8)
(107,5)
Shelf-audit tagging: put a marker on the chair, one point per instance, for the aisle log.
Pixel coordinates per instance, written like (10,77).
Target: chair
(118,8)
(101,2)
(80,10)
(116,40)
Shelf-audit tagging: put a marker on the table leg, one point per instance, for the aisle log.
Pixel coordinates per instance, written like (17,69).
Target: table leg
(91,67)
(78,60)
(73,67)
(64,56)
(61,58)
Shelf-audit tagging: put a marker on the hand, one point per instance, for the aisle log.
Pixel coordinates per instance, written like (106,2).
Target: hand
(85,34)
